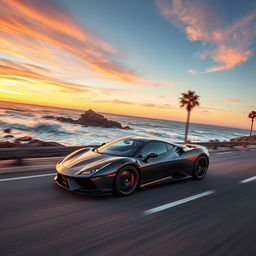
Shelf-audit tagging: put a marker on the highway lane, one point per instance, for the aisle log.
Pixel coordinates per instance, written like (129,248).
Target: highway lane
(37,217)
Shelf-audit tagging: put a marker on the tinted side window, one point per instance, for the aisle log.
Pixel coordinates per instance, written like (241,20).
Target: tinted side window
(169,146)
(153,147)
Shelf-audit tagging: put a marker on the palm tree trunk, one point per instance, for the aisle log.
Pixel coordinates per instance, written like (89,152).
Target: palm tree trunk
(251,128)
(187,126)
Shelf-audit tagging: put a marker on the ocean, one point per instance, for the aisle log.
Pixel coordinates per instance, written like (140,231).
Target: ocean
(26,120)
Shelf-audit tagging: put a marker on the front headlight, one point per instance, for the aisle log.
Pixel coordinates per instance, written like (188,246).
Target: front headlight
(88,172)
(94,170)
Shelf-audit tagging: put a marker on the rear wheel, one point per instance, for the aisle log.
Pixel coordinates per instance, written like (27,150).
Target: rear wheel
(126,181)
(200,168)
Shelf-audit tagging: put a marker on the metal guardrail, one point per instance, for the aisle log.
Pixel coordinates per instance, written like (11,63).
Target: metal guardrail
(37,152)
(40,152)
(229,144)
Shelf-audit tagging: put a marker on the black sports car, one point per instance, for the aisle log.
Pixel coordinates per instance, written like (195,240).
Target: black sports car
(125,164)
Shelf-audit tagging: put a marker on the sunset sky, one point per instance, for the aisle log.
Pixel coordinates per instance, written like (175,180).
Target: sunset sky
(132,57)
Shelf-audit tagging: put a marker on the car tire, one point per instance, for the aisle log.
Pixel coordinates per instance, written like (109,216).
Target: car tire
(126,181)
(200,167)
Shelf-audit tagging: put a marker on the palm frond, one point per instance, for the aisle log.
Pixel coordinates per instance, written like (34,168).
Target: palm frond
(189,100)
(252,114)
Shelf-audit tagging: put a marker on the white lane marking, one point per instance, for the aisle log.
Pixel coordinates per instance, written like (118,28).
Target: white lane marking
(182,201)
(222,153)
(247,180)
(28,177)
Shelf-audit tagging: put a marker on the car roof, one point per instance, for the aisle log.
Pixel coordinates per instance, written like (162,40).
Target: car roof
(146,139)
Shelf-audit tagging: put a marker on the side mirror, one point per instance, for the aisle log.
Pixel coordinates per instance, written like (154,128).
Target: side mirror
(180,151)
(95,149)
(150,155)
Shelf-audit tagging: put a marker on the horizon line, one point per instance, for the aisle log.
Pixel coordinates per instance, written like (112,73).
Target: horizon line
(73,108)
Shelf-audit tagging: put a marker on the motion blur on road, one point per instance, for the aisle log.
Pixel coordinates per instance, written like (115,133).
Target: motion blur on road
(40,218)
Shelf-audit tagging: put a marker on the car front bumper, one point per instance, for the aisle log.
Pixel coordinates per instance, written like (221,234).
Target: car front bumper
(94,185)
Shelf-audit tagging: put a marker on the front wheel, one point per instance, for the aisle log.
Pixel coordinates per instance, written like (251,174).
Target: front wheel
(126,181)
(200,168)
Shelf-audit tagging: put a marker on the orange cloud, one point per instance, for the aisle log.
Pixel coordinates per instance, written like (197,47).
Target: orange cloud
(147,104)
(228,57)
(12,92)
(232,100)
(153,105)
(38,31)
(227,45)
(24,75)
(116,101)
(8,75)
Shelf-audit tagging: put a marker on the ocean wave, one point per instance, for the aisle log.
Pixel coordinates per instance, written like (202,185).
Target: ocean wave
(194,138)
(156,133)
(21,122)
(37,128)
(14,126)
(18,114)
(178,138)
(145,125)
(13,109)
(46,127)
(198,131)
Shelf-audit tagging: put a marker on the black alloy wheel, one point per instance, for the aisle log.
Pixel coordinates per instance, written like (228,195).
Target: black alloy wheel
(200,168)
(126,181)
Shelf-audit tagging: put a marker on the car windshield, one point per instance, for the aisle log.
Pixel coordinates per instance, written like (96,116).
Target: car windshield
(121,147)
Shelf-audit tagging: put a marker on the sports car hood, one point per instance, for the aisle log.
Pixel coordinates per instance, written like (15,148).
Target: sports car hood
(87,161)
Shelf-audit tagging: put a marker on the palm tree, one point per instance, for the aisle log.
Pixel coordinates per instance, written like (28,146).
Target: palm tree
(252,115)
(188,100)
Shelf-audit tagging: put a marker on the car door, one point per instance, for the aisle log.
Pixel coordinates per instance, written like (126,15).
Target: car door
(175,163)
(154,168)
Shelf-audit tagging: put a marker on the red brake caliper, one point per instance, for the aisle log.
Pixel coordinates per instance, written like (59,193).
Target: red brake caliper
(132,179)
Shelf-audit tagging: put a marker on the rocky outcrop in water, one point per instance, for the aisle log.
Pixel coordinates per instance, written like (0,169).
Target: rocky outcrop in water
(7,130)
(244,138)
(8,136)
(27,141)
(90,118)
(61,119)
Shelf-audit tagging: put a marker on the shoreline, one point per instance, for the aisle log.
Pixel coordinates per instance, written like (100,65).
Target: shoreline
(116,114)
(45,125)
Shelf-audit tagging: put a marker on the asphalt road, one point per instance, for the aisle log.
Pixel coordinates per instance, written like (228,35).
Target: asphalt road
(215,216)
